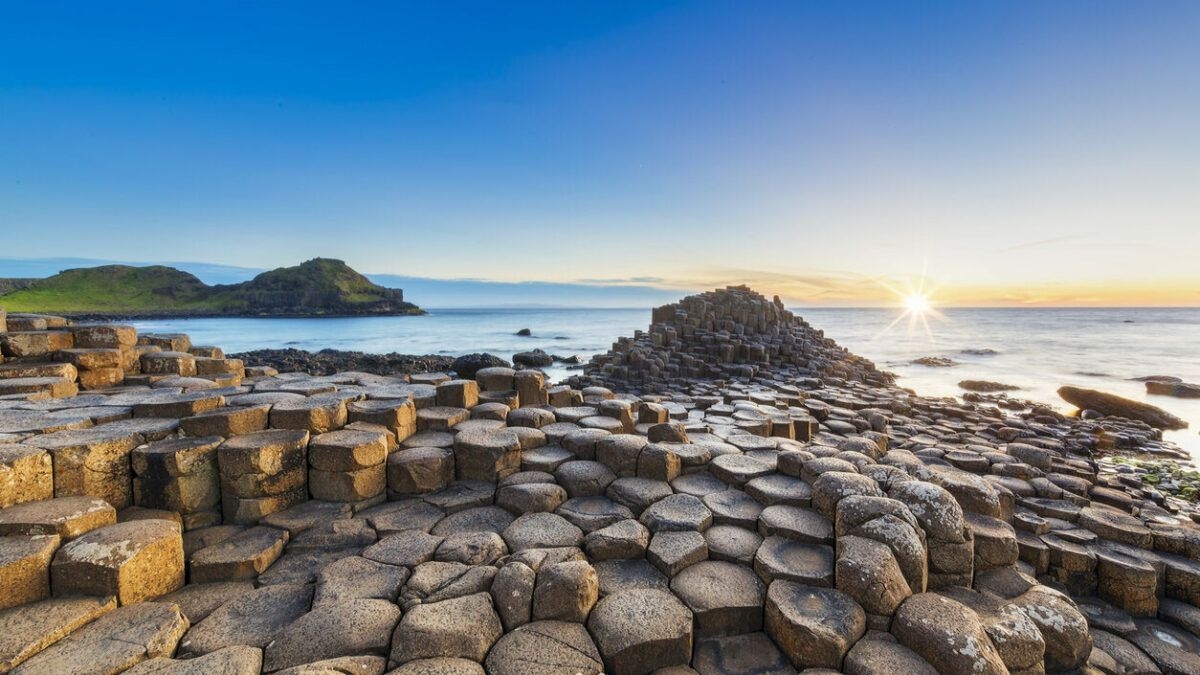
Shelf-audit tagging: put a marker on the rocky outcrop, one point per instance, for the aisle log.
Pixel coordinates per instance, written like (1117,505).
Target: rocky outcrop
(728,333)
(1111,404)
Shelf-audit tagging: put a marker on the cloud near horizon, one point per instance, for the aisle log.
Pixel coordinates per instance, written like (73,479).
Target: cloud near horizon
(816,287)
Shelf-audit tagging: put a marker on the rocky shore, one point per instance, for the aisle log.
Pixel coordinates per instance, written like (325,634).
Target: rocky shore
(728,491)
(330,361)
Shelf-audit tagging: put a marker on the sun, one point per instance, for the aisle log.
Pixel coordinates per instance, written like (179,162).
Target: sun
(917,303)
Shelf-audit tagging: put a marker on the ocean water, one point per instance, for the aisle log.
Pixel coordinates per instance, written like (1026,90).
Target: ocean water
(1037,350)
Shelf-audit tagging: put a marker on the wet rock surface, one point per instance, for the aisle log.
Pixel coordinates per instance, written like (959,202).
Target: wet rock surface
(727,492)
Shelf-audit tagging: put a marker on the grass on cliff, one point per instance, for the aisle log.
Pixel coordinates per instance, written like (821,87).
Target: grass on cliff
(110,288)
(319,286)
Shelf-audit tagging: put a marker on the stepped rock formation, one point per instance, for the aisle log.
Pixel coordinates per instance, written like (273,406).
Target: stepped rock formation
(191,515)
(728,333)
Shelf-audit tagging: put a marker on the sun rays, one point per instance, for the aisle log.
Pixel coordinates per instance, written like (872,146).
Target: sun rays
(917,302)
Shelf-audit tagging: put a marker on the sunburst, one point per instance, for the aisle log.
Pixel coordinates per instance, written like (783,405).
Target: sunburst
(917,302)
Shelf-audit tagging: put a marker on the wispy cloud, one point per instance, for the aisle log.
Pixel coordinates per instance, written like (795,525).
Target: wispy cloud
(1040,243)
(623,281)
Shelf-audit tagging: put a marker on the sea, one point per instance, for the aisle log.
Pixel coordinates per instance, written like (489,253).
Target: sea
(1037,350)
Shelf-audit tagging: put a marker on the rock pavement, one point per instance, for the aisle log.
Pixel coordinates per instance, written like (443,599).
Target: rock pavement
(728,492)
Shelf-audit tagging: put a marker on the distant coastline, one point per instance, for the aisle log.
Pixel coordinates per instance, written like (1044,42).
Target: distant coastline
(317,288)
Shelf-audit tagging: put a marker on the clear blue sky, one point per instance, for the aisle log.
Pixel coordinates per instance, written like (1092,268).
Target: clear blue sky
(1011,151)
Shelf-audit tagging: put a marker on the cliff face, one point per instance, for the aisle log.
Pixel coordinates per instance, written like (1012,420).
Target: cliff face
(319,287)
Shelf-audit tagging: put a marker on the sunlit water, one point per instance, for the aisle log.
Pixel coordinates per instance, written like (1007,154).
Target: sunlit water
(1038,350)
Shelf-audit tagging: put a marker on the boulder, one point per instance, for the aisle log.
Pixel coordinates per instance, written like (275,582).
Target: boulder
(469,365)
(725,598)
(545,648)
(464,627)
(1063,627)
(624,539)
(334,629)
(565,591)
(512,594)
(880,654)
(641,630)
(814,627)
(947,634)
(868,572)
(1111,404)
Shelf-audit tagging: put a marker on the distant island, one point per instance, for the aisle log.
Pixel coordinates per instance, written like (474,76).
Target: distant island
(318,287)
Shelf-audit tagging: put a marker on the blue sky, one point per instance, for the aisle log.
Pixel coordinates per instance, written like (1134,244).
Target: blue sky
(835,153)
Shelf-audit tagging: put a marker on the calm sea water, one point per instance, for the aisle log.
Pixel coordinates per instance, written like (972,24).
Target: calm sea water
(1035,349)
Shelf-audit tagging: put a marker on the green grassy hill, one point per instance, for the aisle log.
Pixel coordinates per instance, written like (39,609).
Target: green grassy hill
(318,287)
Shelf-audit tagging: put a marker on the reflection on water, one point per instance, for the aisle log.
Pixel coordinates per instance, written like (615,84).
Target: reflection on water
(1038,350)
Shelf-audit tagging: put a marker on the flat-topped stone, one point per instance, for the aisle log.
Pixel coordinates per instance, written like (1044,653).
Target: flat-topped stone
(541,530)
(179,405)
(55,387)
(68,517)
(814,627)
(677,512)
(242,556)
(28,629)
(252,619)
(673,552)
(92,462)
(114,642)
(227,661)
(168,363)
(486,455)
(334,629)
(262,452)
(197,601)
(228,421)
(316,414)
(464,627)
(26,474)
(725,598)
(733,507)
(791,560)
(545,648)
(25,568)
(134,561)
(178,474)
(641,630)
(399,516)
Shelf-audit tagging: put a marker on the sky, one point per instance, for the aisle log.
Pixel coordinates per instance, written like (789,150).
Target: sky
(839,153)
